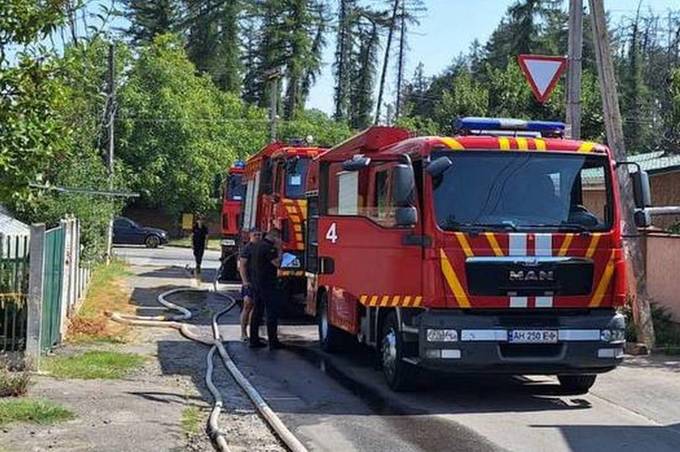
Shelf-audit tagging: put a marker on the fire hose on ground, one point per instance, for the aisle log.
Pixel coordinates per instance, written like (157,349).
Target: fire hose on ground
(176,322)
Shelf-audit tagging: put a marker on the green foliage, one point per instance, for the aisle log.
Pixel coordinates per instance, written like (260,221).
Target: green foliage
(323,130)
(23,22)
(150,18)
(35,411)
(177,130)
(94,365)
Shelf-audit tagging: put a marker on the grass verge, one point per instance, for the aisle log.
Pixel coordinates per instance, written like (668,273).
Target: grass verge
(107,291)
(94,364)
(185,242)
(37,411)
(191,420)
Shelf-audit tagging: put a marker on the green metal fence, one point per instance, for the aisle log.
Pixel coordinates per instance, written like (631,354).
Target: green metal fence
(14,270)
(52,287)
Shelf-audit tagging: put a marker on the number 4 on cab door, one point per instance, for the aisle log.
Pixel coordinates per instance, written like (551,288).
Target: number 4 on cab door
(332,233)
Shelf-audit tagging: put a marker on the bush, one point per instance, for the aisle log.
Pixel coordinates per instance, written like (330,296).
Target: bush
(13,381)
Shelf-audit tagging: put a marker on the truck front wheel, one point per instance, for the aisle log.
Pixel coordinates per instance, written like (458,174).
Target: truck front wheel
(330,337)
(576,384)
(399,375)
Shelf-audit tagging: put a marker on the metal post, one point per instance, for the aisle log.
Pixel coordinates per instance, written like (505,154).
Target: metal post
(574,67)
(111,116)
(35,295)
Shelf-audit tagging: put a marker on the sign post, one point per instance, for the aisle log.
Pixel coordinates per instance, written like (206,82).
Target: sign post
(542,73)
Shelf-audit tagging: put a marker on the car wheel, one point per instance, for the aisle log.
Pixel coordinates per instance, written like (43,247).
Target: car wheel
(330,337)
(399,375)
(576,384)
(152,241)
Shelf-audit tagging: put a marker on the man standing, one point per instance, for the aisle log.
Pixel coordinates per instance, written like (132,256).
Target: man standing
(245,268)
(199,234)
(266,256)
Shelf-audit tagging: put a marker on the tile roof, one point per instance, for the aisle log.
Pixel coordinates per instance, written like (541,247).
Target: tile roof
(652,162)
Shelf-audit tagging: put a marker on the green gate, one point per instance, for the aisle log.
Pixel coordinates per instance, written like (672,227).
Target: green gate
(13,290)
(52,285)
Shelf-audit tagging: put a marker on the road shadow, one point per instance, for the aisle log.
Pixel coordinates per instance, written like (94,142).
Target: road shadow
(618,437)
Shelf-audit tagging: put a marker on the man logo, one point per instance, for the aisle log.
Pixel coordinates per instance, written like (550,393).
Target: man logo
(531,275)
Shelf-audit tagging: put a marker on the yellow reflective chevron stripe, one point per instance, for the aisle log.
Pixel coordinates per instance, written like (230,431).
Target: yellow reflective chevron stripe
(464,244)
(565,245)
(588,146)
(522,144)
(593,245)
(493,243)
(394,301)
(540,144)
(452,143)
(452,281)
(504,143)
(604,283)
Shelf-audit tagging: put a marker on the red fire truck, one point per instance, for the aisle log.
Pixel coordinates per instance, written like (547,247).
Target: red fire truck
(483,252)
(275,197)
(231,219)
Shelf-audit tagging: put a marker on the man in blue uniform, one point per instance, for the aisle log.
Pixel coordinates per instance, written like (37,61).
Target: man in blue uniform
(266,259)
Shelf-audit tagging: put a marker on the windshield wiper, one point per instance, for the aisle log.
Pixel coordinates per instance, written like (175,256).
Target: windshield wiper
(479,227)
(562,226)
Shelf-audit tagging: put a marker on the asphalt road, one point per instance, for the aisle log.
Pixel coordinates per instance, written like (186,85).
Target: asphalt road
(166,256)
(340,402)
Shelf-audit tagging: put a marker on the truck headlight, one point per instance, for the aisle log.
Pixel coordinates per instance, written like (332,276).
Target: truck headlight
(441,335)
(613,336)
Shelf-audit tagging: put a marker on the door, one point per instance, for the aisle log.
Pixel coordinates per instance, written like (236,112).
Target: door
(367,257)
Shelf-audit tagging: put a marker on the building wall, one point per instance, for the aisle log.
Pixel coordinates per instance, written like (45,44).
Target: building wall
(662,261)
(158,219)
(665,192)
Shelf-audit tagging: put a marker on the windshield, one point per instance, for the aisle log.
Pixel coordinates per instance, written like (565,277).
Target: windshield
(514,190)
(296,172)
(234,188)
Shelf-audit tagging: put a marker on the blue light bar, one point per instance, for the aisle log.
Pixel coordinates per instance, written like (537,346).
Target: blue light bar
(473,123)
(239,164)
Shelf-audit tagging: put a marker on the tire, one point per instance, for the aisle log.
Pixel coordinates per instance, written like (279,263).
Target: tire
(399,375)
(152,241)
(576,384)
(330,337)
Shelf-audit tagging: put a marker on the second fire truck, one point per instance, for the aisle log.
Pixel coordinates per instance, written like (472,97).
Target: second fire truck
(275,181)
(483,252)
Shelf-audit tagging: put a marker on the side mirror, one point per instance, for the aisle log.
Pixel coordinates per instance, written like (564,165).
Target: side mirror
(641,189)
(438,166)
(356,163)
(403,185)
(642,218)
(406,216)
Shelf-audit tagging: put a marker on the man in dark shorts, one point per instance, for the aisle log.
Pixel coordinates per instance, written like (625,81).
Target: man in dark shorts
(266,257)
(245,268)
(199,234)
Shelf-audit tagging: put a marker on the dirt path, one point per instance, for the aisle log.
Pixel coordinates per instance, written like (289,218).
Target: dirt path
(144,411)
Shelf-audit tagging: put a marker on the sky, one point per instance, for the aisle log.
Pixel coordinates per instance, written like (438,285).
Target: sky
(447,28)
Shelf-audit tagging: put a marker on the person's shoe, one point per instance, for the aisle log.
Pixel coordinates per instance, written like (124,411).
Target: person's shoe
(276,345)
(244,338)
(257,344)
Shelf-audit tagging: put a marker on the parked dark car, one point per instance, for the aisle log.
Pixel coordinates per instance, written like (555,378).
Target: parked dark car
(126,231)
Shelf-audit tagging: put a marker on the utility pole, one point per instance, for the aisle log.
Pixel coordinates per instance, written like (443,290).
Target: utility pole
(574,67)
(273,77)
(614,128)
(111,114)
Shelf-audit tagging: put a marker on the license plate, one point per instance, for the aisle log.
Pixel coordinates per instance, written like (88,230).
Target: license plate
(533,336)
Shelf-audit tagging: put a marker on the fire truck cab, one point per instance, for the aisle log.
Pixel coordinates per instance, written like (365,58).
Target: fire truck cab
(483,252)
(275,198)
(233,194)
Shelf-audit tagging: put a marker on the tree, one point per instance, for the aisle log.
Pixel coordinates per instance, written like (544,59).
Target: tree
(342,62)
(149,18)
(177,130)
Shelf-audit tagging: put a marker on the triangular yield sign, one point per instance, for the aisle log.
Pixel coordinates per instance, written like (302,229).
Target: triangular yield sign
(543,73)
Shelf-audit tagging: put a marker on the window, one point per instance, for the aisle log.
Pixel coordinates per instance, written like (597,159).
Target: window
(234,188)
(381,209)
(522,190)
(296,172)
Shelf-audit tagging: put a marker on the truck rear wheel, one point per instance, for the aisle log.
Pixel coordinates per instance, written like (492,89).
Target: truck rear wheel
(330,337)
(400,376)
(576,384)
